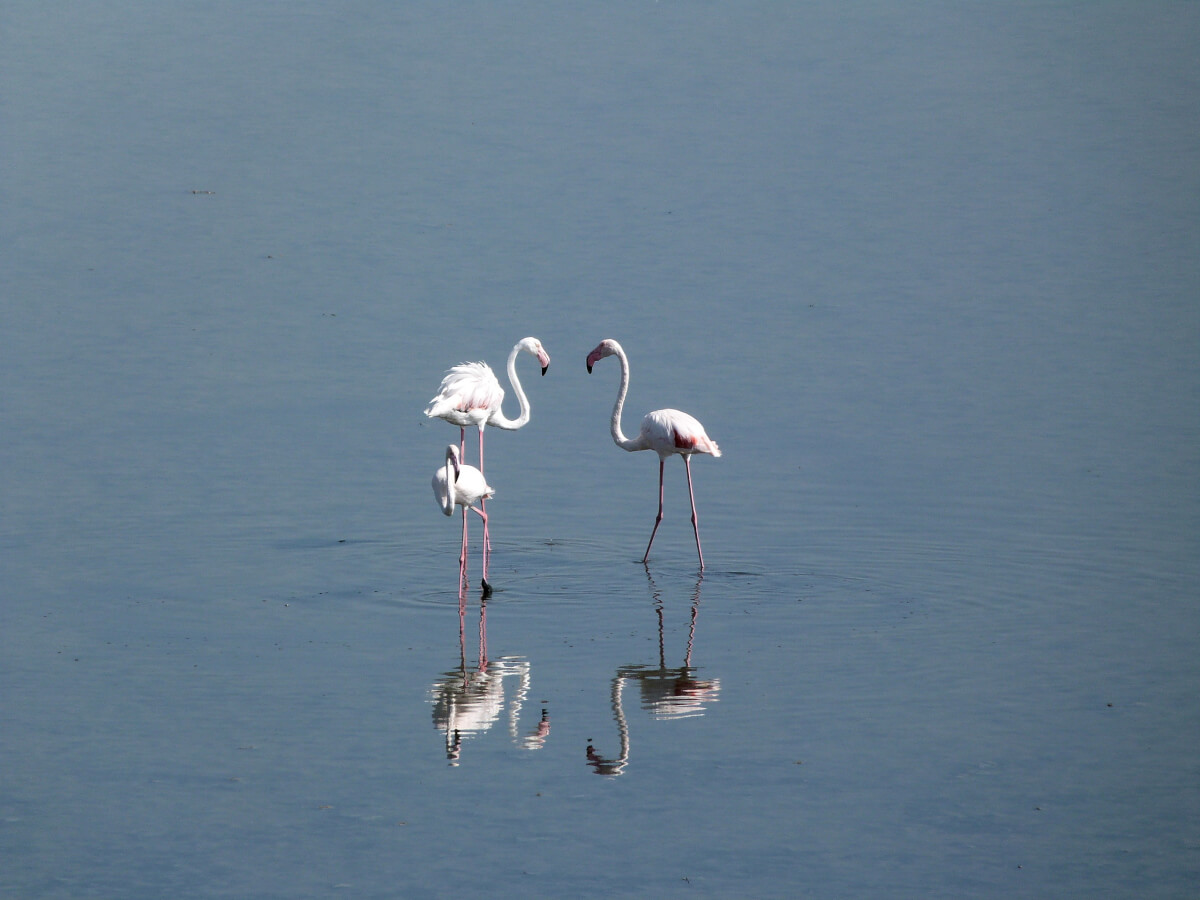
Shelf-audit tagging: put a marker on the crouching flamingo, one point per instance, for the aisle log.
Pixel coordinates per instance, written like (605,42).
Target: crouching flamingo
(456,484)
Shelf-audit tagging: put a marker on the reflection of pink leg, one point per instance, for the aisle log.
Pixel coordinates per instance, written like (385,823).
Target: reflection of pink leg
(687,463)
(658,518)
(483,655)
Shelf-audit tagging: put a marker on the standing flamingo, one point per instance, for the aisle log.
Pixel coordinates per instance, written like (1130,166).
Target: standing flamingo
(455,484)
(665,431)
(471,395)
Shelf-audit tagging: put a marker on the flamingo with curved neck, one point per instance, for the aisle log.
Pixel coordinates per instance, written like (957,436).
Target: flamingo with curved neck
(470,395)
(668,432)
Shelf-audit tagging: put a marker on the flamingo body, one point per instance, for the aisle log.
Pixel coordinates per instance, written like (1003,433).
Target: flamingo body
(467,396)
(469,485)
(668,432)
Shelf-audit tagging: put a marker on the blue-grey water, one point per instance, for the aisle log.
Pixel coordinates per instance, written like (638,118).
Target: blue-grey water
(929,274)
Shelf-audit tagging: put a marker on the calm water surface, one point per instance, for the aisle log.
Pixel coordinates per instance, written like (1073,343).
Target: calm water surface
(928,276)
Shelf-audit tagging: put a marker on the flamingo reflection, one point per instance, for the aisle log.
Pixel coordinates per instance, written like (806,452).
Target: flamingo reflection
(666,693)
(469,701)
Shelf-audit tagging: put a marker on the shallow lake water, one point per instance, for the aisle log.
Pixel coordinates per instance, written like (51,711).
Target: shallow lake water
(929,276)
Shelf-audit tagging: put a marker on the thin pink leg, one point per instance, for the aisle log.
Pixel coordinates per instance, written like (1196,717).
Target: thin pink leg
(462,556)
(462,443)
(687,464)
(487,552)
(487,538)
(658,518)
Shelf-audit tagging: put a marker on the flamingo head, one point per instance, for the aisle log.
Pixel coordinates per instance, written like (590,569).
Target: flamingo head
(606,347)
(452,459)
(533,347)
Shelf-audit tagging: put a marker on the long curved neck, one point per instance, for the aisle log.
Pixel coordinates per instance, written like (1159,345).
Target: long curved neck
(498,419)
(618,436)
(448,497)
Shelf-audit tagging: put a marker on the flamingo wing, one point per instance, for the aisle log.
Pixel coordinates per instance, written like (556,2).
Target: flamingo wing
(469,391)
(668,431)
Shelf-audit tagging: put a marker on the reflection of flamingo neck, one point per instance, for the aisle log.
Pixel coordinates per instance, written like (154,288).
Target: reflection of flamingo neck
(602,765)
(514,710)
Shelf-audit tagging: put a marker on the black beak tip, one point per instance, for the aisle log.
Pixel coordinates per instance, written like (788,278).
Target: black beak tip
(544,368)
(589,370)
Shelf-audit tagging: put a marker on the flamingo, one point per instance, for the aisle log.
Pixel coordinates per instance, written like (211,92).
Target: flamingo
(471,395)
(456,484)
(665,431)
